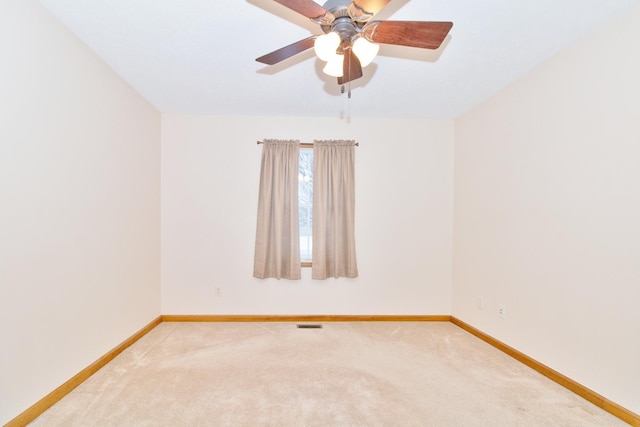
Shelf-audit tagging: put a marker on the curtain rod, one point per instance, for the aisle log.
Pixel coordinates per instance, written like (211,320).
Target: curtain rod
(357,144)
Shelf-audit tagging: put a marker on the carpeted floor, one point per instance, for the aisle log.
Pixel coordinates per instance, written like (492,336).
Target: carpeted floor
(344,374)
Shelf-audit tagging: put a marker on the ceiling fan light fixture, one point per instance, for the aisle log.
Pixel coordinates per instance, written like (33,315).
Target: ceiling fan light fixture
(326,45)
(365,50)
(334,66)
(350,33)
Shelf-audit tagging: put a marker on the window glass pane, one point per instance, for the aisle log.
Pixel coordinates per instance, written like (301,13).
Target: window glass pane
(305,202)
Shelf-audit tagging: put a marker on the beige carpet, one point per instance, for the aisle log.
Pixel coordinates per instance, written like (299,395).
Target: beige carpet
(345,374)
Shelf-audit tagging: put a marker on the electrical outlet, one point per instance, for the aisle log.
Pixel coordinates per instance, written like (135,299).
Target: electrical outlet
(502,311)
(480,303)
(218,292)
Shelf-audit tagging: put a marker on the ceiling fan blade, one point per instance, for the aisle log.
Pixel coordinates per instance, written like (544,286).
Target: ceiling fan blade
(425,35)
(308,8)
(351,68)
(287,51)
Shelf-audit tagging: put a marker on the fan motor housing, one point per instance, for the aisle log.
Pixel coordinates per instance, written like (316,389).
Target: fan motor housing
(345,27)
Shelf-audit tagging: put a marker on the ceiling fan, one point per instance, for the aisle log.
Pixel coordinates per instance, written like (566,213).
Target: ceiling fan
(350,39)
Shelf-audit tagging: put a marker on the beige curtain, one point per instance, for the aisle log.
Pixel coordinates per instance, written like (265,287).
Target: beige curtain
(334,245)
(277,252)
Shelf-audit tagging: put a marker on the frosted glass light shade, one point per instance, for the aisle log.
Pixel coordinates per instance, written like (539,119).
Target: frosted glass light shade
(365,51)
(326,45)
(334,66)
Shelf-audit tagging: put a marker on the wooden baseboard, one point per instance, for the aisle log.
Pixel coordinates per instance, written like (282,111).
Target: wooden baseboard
(46,402)
(586,393)
(304,318)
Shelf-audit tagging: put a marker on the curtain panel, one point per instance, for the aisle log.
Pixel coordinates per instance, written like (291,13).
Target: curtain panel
(277,251)
(334,245)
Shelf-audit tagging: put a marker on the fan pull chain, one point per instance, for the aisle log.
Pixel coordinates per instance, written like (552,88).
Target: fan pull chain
(348,93)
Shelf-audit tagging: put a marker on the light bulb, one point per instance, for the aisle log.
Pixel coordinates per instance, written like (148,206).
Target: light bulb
(326,45)
(365,51)
(334,66)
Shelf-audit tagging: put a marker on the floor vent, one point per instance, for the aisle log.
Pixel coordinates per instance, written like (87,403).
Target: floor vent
(309,326)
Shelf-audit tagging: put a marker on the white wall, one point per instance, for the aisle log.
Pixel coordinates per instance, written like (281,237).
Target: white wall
(547,213)
(404,198)
(79,207)
(546,221)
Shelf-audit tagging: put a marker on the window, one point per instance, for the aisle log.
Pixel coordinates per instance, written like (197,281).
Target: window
(305,203)
(318,224)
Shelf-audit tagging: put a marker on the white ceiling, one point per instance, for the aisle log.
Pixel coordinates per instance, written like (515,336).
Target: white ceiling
(198,56)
